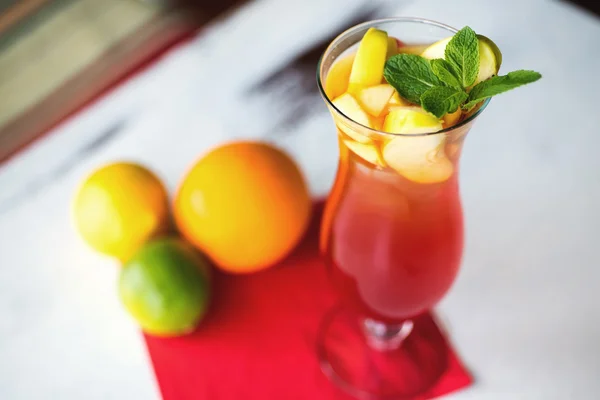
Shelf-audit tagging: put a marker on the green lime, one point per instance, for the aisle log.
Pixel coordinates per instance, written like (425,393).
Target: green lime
(165,286)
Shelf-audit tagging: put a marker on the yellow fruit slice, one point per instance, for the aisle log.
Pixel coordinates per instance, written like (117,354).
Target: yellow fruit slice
(412,49)
(395,101)
(490,59)
(452,118)
(420,159)
(367,69)
(410,120)
(336,82)
(374,99)
(378,122)
(436,50)
(490,56)
(348,105)
(367,152)
(392,47)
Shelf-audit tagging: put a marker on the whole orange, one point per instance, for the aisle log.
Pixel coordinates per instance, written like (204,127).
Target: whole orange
(245,204)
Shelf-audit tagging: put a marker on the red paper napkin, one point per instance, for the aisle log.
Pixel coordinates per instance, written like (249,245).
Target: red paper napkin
(258,340)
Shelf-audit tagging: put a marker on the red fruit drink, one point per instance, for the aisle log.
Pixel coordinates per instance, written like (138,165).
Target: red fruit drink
(392,229)
(392,246)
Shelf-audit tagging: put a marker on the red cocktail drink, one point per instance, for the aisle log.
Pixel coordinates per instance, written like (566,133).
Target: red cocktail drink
(403,93)
(392,246)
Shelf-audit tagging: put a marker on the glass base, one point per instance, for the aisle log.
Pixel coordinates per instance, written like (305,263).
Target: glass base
(364,368)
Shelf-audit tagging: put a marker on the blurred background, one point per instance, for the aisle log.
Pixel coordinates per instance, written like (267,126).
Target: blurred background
(159,82)
(57,55)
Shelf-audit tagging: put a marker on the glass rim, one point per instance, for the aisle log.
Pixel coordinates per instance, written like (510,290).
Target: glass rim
(362,25)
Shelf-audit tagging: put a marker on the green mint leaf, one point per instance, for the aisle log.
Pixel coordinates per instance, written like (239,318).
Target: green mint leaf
(499,84)
(410,75)
(442,99)
(462,52)
(444,71)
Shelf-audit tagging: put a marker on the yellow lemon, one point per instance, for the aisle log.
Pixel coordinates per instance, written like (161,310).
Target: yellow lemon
(119,207)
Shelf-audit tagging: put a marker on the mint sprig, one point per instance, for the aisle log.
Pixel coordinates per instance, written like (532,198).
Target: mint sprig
(445,73)
(499,84)
(441,86)
(440,100)
(411,75)
(462,53)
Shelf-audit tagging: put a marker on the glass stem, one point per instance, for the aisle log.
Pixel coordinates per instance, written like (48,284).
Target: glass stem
(386,337)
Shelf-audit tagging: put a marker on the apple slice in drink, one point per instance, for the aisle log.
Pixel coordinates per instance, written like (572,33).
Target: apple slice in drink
(396,100)
(490,59)
(452,118)
(411,120)
(348,106)
(412,49)
(392,47)
(368,152)
(378,121)
(374,99)
(367,69)
(336,82)
(419,158)
(436,50)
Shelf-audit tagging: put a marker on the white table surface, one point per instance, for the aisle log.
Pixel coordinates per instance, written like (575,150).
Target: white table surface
(525,311)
